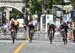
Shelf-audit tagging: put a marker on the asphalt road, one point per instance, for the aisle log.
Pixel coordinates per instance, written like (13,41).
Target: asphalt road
(38,45)
(45,47)
(6,46)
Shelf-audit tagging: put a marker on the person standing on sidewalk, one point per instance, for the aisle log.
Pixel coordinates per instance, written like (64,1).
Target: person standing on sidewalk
(70,31)
(73,28)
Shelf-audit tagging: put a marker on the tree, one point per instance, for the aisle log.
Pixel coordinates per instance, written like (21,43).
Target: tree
(15,13)
(73,3)
(49,3)
(36,5)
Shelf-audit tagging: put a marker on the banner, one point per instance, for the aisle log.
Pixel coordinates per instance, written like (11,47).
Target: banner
(65,18)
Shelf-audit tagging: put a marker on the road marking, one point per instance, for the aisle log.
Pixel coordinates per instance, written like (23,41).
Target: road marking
(20,47)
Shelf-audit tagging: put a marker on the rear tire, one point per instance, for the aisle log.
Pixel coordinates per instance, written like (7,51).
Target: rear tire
(31,36)
(50,37)
(65,42)
(50,41)
(13,36)
(65,38)
(13,40)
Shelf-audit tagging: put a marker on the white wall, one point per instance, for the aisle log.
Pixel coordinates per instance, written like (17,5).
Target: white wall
(21,22)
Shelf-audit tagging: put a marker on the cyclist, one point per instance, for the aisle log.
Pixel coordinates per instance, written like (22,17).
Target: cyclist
(31,31)
(64,27)
(14,28)
(51,32)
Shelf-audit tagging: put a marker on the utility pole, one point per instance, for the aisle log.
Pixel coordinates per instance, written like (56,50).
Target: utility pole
(25,12)
(43,6)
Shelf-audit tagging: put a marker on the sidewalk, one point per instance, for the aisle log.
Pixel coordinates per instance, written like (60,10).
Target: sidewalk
(37,36)
(22,35)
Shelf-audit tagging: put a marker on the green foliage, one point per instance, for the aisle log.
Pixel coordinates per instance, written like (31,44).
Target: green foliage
(36,5)
(58,2)
(16,13)
(1,9)
(73,3)
(32,10)
(26,1)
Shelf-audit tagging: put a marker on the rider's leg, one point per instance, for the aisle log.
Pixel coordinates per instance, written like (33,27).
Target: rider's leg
(53,32)
(50,37)
(65,37)
(32,35)
(29,36)
(16,30)
(12,37)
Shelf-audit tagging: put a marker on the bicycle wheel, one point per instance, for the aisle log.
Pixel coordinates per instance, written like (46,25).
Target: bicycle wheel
(5,33)
(50,37)
(13,36)
(65,38)
(13,39)
(31,36)
(65,42)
